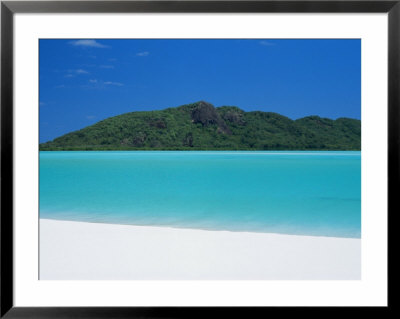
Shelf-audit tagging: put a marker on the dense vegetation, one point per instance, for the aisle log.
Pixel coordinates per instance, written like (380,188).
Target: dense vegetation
(201,126)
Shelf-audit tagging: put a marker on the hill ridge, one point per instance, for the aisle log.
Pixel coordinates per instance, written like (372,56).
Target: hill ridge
(201,126)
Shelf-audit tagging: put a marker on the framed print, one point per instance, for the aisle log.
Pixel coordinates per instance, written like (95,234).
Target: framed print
(188,158)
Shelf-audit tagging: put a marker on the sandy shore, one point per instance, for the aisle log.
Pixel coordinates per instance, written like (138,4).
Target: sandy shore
(78,250)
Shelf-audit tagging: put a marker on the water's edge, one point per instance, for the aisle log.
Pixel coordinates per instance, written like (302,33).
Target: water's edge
(191,228)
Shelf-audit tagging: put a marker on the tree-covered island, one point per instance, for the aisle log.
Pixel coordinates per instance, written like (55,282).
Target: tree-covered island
(201,126)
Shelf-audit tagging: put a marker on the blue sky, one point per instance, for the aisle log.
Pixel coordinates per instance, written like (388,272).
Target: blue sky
(83,81)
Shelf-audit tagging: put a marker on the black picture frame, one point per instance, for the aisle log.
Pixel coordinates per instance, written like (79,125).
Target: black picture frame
(9,8)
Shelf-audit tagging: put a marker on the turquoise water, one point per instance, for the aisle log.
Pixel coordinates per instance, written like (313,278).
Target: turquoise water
(307,193)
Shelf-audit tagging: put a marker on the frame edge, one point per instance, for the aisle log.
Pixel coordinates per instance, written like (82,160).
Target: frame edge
(393,124)
(6,221)
(201,6)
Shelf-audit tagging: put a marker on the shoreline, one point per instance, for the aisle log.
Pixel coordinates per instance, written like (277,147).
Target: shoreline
(200,229)
(71,250)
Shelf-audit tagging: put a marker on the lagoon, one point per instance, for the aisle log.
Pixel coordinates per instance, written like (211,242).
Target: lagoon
(288,192)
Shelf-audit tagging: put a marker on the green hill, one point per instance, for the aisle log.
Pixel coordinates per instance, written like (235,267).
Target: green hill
(201,126)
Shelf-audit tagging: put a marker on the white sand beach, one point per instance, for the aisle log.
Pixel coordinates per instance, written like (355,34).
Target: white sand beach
(84,251)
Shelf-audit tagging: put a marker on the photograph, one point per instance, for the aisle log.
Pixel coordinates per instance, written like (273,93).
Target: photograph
(199,159)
